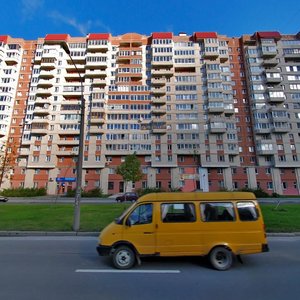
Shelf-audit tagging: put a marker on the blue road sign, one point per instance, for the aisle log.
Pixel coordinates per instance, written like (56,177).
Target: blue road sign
(65,179)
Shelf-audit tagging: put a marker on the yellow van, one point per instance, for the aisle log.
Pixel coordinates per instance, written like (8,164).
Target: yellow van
(219,225)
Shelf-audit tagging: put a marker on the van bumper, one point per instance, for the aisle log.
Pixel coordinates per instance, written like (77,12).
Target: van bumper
(103,250)
(265,248)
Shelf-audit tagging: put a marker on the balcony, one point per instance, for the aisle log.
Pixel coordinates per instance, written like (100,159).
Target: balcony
(74,90)
(12,58)
(70,131)
(96,130)
(43,92)
(66,153)
(40,130)
(159,110)
(95,73)
(97,119)
(273,78)
(161,72)
(276,96)
(38,121)
(46,83)
(68,142)
(43,100)
(268,51)
(48,63)
(159,100)
(99,82)
(162,61)
(158,81)
(46,74)
(102,46)
(215,108)
(292,53)
(40,111)
(210,54)
(281,127)
(265,148)
(96,61)
(158,127)
(217,127)
(270,62)
(158,91)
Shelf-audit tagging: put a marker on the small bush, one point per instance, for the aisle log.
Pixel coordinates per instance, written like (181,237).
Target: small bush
(24,192)
(175,190)
(145,191)
(259,192)
(95,193)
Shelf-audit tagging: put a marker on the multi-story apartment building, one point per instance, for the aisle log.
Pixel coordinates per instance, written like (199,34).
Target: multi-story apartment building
(15,72)
(202,111)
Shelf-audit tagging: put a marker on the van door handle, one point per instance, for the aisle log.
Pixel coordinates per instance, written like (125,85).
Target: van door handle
(148,232)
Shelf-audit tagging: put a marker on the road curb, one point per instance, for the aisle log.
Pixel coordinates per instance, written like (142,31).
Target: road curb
(46,233)
(82,233)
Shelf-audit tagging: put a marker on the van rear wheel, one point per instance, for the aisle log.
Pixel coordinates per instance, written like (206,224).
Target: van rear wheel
(221,258)
(123,258)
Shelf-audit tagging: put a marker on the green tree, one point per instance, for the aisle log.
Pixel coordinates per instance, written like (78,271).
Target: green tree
(130,169)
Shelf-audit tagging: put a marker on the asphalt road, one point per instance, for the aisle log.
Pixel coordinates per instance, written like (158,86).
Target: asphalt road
(63,268)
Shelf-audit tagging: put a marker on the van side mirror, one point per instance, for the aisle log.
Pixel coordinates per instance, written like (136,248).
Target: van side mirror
(127,222)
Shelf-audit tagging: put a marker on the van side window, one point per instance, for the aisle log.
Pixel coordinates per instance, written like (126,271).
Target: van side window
(141,215)
(215,212)
(247,211)
(178,212)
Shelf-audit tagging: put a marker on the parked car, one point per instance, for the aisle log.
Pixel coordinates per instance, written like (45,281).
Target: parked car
(3,199)
(127,197)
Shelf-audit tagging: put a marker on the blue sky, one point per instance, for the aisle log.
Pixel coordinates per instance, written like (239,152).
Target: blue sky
(31,19)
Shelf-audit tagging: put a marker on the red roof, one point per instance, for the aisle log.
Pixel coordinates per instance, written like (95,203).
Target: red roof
(162,35)
(269,35)
(205,35)
(4,38)
(98,36)
(57,37)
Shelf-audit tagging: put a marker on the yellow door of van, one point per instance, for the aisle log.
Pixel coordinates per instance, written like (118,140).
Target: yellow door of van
(177,231)
(140,228)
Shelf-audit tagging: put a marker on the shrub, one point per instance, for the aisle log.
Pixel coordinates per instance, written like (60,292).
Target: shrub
(24,192)
(259,192)
(95,193)
(145,191)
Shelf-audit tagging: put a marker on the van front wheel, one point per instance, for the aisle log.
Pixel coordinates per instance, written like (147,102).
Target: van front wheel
(123,258)
(221,258)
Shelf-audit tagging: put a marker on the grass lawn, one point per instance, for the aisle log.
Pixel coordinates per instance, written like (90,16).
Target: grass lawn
(59,217)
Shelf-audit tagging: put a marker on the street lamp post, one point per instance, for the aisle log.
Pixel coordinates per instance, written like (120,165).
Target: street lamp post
(76,221)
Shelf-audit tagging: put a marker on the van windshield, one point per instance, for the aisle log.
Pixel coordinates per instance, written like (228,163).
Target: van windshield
(119,220)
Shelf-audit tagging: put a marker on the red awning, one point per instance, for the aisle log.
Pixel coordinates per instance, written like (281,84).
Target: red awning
(205,35)
(56,37)
(4,38)
(162,35)
(269,35)
(98,36)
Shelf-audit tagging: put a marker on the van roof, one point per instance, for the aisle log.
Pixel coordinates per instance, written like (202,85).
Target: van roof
(196,196)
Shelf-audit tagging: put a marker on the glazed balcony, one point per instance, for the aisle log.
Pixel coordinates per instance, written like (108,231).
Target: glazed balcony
(40,111)
(159,100)
(268,51)
(158,91)
(162,72)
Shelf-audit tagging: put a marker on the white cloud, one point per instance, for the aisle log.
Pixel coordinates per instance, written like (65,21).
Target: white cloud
(82,28)
(58,17)
(30,7)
